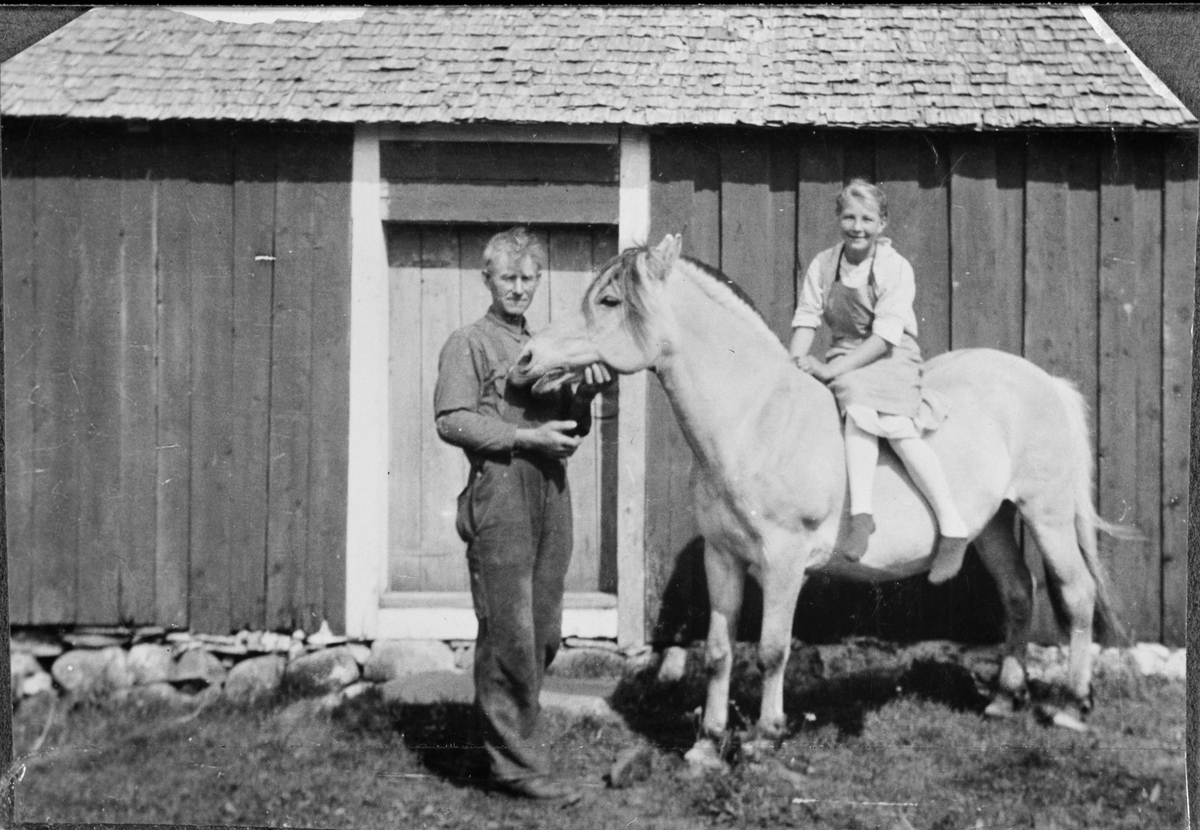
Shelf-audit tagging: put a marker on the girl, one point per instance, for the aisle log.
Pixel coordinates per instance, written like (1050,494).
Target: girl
(864,290)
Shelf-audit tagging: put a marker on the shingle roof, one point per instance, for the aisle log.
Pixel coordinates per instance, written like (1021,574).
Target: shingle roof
(973,67)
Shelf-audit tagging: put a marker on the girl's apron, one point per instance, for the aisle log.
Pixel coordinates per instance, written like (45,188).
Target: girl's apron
(891,385)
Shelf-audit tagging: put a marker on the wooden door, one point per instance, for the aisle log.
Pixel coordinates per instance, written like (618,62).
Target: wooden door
(436,286)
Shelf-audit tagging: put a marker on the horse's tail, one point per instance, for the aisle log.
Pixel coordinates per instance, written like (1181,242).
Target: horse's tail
(1088,523)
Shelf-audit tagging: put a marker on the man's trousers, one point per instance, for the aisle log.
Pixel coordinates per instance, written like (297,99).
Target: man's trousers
(516,519)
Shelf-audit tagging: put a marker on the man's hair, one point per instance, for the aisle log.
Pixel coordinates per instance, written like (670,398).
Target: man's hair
(863,191)
(510,247)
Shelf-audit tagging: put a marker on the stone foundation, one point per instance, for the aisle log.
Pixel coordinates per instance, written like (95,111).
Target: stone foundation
(152,664)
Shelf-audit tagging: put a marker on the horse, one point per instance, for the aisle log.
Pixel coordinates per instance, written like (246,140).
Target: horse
(770,489)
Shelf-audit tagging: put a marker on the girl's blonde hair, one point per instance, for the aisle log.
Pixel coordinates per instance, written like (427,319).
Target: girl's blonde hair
(863,191)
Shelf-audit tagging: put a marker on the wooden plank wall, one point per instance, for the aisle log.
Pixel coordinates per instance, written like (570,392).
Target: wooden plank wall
(177,374)
(1076,250)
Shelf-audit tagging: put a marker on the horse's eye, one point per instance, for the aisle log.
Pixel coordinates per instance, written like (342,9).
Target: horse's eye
(609,302)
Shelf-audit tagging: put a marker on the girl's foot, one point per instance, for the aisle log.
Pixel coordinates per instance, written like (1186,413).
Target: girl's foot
(948,558)
(862,525)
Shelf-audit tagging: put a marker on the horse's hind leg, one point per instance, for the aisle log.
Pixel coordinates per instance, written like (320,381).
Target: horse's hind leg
(1068,572)
(726,579)
(1001,556)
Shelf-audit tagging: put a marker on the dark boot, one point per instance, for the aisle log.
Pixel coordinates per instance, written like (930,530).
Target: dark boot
(948,558)
(862,525)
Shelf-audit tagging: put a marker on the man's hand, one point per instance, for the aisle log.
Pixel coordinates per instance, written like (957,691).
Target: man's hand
(549,439)
(596,379)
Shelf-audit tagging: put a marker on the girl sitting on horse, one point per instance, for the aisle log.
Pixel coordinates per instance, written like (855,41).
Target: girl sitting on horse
(864,290)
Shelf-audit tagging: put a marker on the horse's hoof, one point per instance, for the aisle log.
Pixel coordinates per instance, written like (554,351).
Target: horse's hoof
(1063,718)
(1066,720)
(1002,706)
(756,749)
(703,758)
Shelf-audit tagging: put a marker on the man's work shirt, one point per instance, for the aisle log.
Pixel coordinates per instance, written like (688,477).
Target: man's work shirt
(475,406)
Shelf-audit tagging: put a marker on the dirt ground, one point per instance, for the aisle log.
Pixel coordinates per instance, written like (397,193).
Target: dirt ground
(873,743)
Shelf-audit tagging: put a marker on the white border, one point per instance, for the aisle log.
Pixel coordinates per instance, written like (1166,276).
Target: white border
(1105,31)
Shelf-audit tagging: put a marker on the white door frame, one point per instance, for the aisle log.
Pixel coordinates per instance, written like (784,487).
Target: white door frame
(370,611)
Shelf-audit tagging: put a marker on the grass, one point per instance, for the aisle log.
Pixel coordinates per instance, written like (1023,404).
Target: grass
(869,747)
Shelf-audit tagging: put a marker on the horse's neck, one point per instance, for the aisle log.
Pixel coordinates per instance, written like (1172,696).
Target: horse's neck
(730,380)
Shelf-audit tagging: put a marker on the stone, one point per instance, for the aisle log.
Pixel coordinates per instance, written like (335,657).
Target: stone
(151,694)
(197,666)
(673,666)
(227,649)
(1176,666)
(330,701)
(117,675)
(321,671)
(1151,658)
(150,663)
(222,645)
(355,689)
(255,678)
(583,642)
(1115,663)
(634,765)
(274,641)
(149,632)
(85,639)
(36,684)
(84,672)
(639,661)
(217,639)
(253,641)
(22,665)
(39,645)
(179,637)
(396,658)
(360,651)
(206,696)
(587,662)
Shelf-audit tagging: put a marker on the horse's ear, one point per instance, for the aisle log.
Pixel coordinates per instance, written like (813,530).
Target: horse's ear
(668,250)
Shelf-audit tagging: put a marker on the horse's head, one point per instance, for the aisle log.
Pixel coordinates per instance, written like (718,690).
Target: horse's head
(620,322)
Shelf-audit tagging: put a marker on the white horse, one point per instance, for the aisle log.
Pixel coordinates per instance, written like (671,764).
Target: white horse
(770,493)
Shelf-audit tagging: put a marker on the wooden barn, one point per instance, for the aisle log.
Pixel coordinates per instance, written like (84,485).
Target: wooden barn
(232,253)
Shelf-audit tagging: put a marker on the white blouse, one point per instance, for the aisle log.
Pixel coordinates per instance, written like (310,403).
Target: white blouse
(896,290)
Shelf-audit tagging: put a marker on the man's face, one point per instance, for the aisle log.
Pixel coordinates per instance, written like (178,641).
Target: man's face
(512,284)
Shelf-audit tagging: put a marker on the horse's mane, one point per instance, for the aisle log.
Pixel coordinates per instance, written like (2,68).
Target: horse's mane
(622,269)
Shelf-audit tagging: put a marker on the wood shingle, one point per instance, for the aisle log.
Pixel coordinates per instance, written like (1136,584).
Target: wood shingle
(981,67)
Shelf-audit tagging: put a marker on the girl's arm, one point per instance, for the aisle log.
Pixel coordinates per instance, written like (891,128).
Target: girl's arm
(868,351)
(802,340)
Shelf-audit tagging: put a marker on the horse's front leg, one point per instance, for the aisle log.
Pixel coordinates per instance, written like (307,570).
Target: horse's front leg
(726,579)
(782,578)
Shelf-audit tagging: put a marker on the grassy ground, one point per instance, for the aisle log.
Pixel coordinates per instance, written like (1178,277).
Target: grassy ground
(869,748)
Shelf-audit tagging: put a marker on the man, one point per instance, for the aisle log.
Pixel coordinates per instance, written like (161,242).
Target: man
(515,513)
